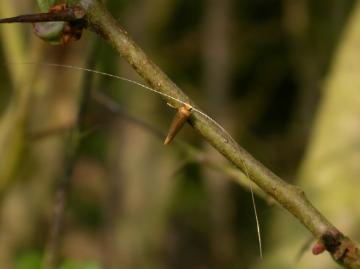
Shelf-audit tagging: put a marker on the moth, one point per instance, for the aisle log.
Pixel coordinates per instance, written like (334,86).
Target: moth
(182,115)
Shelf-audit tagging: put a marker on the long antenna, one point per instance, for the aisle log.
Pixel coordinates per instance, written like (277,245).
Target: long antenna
(193,109)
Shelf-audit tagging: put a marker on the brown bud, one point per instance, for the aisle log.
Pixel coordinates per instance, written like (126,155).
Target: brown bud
(318,248)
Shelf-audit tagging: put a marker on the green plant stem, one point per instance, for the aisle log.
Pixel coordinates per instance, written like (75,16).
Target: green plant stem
(292,198)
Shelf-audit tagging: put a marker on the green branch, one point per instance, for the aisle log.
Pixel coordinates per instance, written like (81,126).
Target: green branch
(342,249)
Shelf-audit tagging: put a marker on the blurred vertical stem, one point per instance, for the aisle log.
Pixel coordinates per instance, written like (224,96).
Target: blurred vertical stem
(13,121)
(140,216)
(13,42)
(217,71)
(73,143)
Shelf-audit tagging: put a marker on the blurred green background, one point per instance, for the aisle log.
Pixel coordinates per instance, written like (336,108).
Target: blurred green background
(85,181)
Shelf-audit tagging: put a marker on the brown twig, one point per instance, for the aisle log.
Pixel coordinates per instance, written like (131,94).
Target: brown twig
(292,198)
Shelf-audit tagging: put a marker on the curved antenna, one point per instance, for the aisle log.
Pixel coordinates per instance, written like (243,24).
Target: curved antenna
(193,109)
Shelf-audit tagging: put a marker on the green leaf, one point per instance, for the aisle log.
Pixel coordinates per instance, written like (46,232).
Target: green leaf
(49,31)
(45,5)
(72,2)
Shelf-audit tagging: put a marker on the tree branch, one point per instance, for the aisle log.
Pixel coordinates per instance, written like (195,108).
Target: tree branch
(342,249)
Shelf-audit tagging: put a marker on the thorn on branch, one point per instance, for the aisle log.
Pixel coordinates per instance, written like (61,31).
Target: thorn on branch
(61,25)
(56,13)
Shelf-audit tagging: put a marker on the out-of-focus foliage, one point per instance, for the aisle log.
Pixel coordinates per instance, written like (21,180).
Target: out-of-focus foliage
(80,265)
(33,260)
(258,67)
